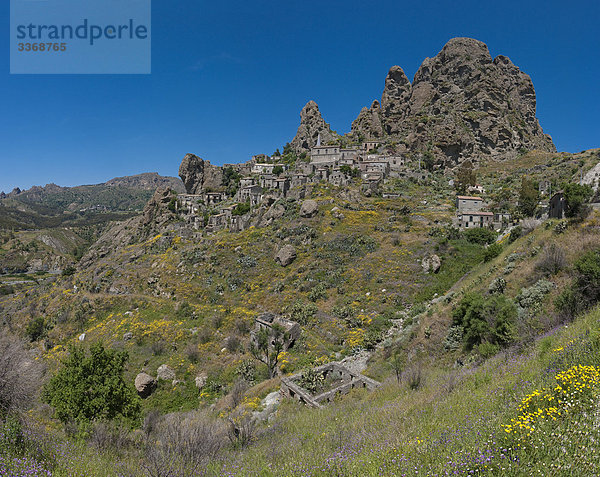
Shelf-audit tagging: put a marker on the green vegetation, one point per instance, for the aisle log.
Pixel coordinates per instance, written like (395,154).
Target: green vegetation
(91,387)
(490,319)
(241,209)
(575,197)
(528,197)
(465,177)
(480,235)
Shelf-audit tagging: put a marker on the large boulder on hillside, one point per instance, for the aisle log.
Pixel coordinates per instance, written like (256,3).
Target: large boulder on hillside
(309,208)
(286,255)
(145,384)
(431,264)
(165,373)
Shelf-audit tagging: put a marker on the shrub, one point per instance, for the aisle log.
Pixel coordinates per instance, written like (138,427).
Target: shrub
(90,386)
(575,197)
(19,375)
(454,338)
(497,286)
(531,298)
(36,329)
(515,234)
(241,209)
(180,444)
(414,377)
(487,350)
(492,251)
(481,236)
(317,292)
(489,319)
(552,260)
(585,289)
(67,272)
(302,312)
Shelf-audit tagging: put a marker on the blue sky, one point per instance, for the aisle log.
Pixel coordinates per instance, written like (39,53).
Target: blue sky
(229,79)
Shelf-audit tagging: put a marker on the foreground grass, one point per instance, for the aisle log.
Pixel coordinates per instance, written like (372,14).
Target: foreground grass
(453,425)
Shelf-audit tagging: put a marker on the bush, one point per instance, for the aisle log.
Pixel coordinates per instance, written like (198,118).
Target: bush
(241,209)
(497,286)
(552,260)
(531,298)
(515,234)
(489,319)
(575,197)
(481,236)
(90,386)
(585,289)
(19,376)
(492,251)
(36,329)
(180,444)
(301,312)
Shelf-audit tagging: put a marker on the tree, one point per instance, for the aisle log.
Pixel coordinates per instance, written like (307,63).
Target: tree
(90,386)
(465,177)
(575,197)
(277,170)
(231,180)
(528,197)
(267,346)
(429,161)
(241,209)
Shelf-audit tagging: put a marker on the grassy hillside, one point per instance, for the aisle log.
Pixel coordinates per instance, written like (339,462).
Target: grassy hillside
(456,351)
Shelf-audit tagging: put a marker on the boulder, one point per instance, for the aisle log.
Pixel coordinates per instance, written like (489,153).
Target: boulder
(165,372)
(431,264)
(337,213)
(286,255)
(127,336)
(145,384)
(201,381)
(309,208)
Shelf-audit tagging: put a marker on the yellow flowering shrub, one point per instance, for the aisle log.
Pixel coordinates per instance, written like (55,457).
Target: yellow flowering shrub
(572,391)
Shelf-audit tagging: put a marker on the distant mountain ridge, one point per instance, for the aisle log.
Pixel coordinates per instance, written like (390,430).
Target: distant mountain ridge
(53,205)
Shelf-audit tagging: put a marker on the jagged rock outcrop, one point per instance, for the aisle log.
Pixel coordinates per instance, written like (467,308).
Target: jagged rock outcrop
(311,125)
(157,210)
(394,100)
(368,124)
(462,104)
(200,176)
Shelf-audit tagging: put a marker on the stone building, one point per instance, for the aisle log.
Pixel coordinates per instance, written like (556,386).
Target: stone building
(469,220)
(469,204)
(266,321)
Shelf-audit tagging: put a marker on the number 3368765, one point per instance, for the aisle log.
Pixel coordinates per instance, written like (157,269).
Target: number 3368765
(42,47)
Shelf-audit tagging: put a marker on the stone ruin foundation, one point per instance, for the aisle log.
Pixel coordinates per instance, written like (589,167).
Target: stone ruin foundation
(346,379)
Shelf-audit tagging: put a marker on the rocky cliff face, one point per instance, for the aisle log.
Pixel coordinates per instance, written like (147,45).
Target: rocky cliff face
(461,104)
(199,175)
(311,125)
